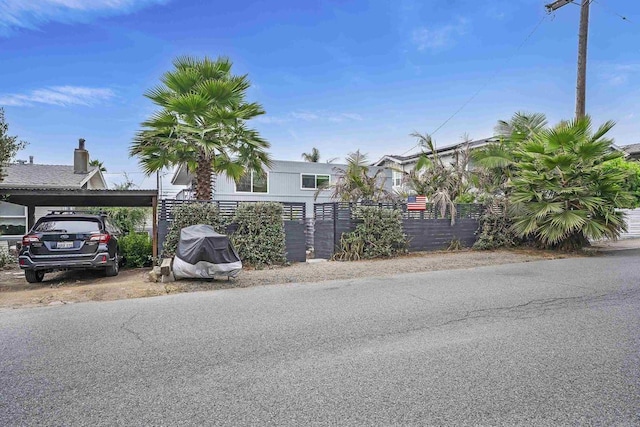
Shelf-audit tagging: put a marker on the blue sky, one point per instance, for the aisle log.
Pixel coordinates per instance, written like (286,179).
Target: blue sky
(339,75)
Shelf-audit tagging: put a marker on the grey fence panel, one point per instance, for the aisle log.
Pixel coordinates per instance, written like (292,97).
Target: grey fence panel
(295,241)
(426,230)
(436,234)
(323,239)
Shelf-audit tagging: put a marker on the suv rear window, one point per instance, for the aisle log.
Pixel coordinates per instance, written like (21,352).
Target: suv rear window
(68,226)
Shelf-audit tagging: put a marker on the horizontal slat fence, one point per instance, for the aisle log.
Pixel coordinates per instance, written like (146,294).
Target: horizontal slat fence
(293,215)
(426,229)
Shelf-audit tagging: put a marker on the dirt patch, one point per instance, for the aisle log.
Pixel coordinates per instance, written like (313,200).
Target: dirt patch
(79,286)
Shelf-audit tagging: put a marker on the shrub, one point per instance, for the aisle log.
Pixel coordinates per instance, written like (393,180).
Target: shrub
(6,258)
(191,214)
(495,229)
(136,249)
(377,234)
(259,237)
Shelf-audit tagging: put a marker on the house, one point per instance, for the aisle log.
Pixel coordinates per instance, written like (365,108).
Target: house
(30,176)
(284,181)
(632,151)
(401,165)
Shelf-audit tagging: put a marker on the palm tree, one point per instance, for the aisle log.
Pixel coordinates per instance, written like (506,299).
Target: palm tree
(497,160)
(313,156)
(563,194)
(201,123)
(441,184)
(97,163)
(355,183)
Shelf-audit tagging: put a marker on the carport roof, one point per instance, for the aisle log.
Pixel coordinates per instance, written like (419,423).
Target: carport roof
(77,197)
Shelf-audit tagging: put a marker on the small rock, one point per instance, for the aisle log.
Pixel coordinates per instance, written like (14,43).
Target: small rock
(155,275)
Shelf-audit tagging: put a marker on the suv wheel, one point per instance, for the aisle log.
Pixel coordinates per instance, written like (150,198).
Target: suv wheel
(34,276)
(113,269)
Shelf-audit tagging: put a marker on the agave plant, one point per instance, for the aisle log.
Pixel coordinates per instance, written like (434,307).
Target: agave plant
(562,193)
(201,123)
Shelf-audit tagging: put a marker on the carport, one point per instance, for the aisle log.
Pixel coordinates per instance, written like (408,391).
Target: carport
(43,197)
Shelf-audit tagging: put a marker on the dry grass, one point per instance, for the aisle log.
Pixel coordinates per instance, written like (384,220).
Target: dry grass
(82,286)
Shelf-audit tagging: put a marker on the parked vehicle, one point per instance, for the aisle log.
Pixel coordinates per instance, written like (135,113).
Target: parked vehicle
(64,240)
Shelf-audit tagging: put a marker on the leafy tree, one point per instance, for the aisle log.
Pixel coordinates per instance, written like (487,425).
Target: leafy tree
(201,123)
(9,145)
(356,183)
(563,193)
(632,181)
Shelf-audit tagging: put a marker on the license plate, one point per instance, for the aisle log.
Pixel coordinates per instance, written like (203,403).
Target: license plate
(64,245)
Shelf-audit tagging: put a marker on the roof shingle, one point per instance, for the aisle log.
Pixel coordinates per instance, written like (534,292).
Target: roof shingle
(49,176)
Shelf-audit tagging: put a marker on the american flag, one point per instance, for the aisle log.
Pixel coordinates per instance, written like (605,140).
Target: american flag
(416,203)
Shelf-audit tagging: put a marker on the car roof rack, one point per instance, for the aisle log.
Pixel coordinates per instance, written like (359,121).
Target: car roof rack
(71,212)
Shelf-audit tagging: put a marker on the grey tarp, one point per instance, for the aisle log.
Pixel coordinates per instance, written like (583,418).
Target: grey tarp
(204,253)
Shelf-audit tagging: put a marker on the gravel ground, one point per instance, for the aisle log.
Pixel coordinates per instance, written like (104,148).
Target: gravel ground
(82,286)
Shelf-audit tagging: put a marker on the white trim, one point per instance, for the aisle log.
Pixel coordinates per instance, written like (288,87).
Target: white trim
(235,185)
(90,175)
(316,180)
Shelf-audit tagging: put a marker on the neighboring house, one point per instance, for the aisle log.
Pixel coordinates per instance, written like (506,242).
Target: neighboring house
(284,181)
(632,151)
(29,175)
(402,165)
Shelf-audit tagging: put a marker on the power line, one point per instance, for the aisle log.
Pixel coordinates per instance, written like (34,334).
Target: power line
(489,81)
(613,12)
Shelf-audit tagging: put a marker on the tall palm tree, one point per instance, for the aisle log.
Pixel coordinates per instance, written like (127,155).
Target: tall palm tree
(563,194)
(201,123)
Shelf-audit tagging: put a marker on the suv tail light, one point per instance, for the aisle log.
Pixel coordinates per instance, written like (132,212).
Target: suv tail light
(102,237)
(28,239)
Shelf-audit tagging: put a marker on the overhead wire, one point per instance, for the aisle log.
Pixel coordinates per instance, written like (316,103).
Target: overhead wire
(487,82)
(613,12)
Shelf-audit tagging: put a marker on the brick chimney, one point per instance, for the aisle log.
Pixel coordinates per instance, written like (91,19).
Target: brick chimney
(80,158)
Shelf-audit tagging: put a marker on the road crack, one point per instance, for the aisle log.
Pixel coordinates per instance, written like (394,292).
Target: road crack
(131,331)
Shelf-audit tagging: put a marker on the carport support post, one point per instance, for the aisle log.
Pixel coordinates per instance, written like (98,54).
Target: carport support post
(31,217)
(154,246)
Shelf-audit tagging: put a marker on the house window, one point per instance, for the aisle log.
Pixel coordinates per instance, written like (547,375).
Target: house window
(312,181)
(253,182)
(13,219)
(397,179)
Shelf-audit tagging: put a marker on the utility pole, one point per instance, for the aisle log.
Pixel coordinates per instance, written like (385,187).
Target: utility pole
(581,84)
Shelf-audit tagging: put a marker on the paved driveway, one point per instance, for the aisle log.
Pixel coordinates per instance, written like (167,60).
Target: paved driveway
(540,343)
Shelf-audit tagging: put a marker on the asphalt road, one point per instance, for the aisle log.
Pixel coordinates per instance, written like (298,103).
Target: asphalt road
(540,343)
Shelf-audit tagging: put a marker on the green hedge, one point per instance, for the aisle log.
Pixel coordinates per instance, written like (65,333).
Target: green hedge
(136,249)
(259,237)
(191,214)
(377,234)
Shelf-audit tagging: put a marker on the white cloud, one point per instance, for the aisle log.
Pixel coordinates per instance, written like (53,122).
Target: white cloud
(59,95)
(30,14)
(618,74)
(307,117)
(439,37)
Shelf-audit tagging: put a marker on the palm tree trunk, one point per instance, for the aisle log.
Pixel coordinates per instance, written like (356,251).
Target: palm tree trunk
(203,177)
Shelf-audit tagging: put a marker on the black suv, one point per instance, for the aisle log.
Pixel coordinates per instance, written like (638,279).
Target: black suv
(63,240)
